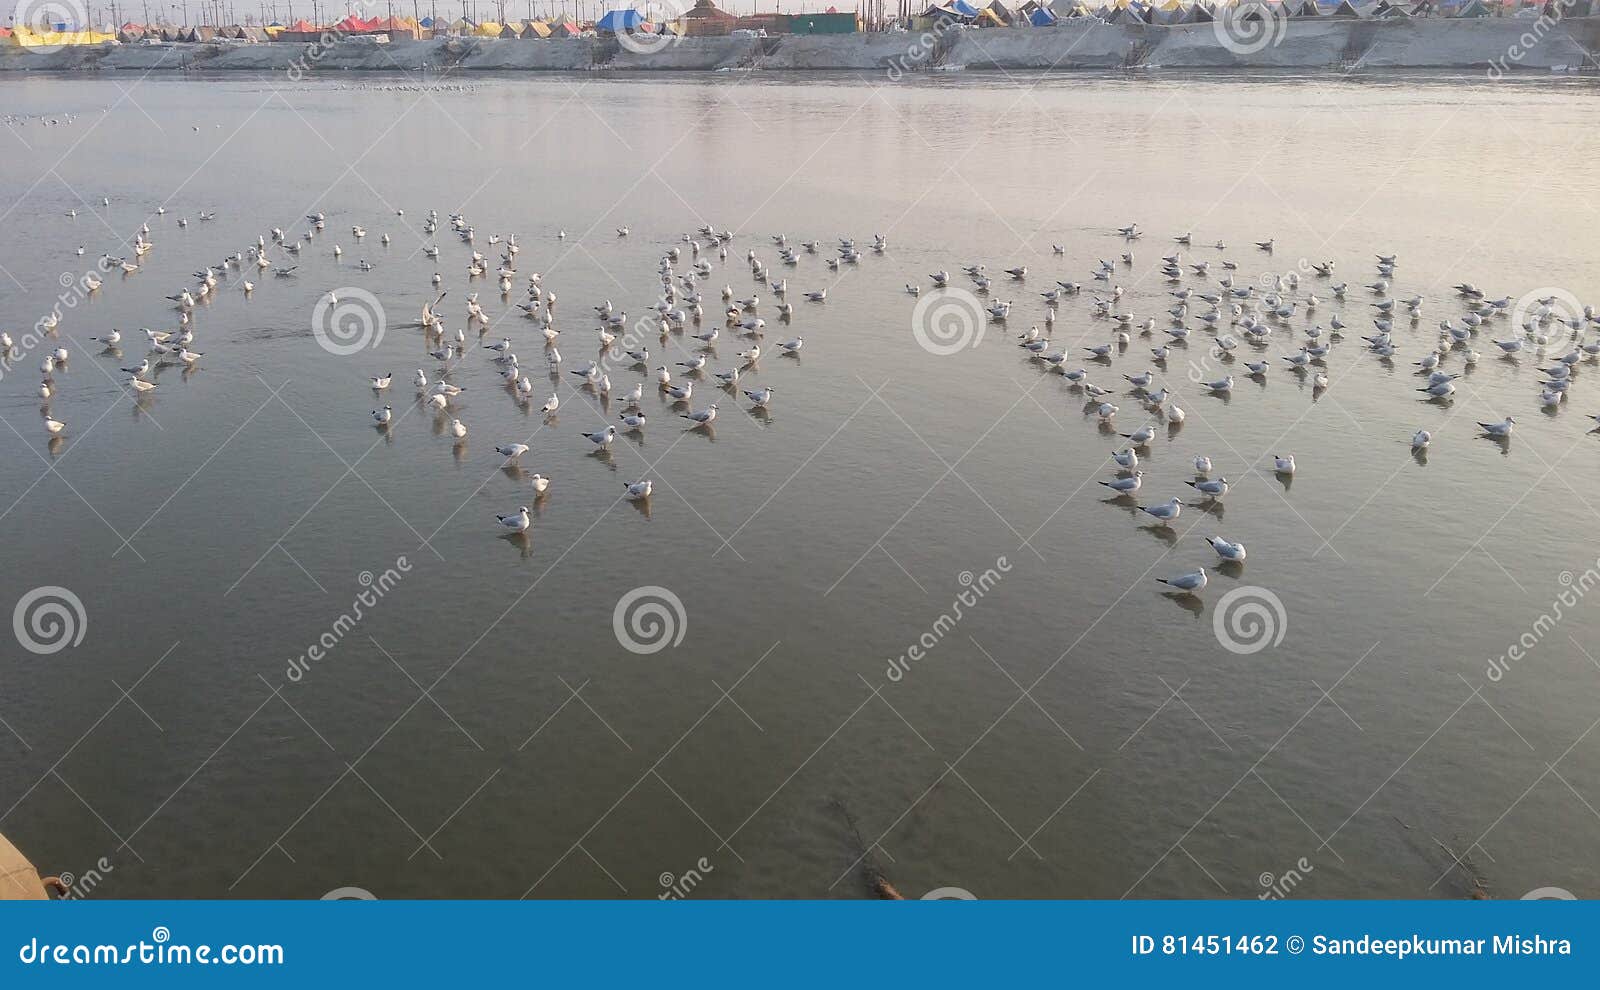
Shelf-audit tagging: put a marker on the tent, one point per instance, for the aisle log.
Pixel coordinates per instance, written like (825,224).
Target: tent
(1307,8)
(488,29)
(619,21)
(536,29)
(963,8)
(1198,14)
(1041,17)
(1473,8)
(1345,9)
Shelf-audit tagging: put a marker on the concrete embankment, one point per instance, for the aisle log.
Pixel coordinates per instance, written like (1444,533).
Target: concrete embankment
(1503,44)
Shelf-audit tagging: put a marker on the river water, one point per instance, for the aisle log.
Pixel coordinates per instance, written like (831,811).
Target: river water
(1062,728)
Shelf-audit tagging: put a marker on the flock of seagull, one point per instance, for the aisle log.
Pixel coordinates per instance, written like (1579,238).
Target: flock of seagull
(1237,322)
(1236,318)
(680,309)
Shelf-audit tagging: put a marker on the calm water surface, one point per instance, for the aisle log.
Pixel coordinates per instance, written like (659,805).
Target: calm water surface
(482,732)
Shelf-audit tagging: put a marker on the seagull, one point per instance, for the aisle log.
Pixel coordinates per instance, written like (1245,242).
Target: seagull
(140,385)
(382,383)
(54,426)
(632,421)
(603,438)
(551,405)
(761,397)
(511,451)
(1128,458)
(1126,486)
(1213,489)
(1502,429)
(1226,550)
(540,483)
(638,490)
(1421,439)
(1202,465)
(1283,464)
(1187,582)
(1166,511)
(383,416)
(518,522)
(1141,436)
(458,429)
(702,417)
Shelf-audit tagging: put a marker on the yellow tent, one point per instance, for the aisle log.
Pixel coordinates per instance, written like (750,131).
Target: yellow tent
(488,29)
(1171,5)
(27,37)
(539,28)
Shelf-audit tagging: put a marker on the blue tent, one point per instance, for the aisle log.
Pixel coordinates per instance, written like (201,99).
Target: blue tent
(617,21)
(426,22)
(961,6)
(1041,17)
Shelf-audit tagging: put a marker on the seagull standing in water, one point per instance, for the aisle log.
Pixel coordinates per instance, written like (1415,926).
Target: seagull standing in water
(517,522)
(1165,512)
(1187,582)
(1233,552)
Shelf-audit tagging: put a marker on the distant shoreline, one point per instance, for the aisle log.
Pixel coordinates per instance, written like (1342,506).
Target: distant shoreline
(1495,46)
